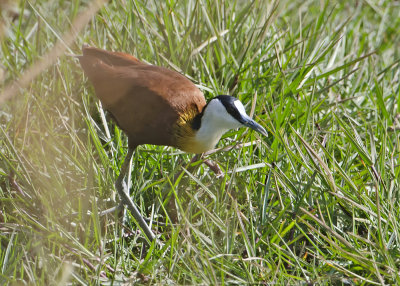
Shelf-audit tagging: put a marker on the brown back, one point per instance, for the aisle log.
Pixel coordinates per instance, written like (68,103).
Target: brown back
(145,100)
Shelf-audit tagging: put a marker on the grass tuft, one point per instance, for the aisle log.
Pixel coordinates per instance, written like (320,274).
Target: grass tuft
(316,202)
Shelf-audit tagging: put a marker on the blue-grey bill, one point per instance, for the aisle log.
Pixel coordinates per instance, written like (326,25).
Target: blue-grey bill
(256,127)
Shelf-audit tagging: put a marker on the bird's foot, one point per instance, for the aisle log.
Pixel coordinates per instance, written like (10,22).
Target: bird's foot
(214,167)
(113,209)
(122,190)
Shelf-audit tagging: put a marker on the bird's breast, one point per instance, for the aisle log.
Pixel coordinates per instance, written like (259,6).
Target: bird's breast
(185,133)
(196,141)
(191,145)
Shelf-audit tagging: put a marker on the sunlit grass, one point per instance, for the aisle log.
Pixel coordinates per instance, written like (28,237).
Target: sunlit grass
(315,202)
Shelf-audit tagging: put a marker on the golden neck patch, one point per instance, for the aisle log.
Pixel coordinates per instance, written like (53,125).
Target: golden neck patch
(185,135)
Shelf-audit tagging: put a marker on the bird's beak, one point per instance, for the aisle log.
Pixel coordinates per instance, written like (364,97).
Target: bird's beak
(256,127)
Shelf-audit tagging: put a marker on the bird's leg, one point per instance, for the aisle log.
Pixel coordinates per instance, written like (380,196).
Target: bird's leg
(123,192)
(214,167)
(113,209)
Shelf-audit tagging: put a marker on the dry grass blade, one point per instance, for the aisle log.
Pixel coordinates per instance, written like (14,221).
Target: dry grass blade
(59,48)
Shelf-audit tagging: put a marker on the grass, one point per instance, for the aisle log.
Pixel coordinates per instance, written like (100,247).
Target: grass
(316,202)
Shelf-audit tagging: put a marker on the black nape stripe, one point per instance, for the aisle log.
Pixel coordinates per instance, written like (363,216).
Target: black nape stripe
(229,103)
(196,122)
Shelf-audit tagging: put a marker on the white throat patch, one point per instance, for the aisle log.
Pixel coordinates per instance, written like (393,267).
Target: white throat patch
(215,122)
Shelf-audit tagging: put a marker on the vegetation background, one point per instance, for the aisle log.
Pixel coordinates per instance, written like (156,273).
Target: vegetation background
(316,202)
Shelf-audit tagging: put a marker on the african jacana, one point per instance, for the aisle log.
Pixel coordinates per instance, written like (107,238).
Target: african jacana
(155,105)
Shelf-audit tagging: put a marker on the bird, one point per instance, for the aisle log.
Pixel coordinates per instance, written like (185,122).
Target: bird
(158,106)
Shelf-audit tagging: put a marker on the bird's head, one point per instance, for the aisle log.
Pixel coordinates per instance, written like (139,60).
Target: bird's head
(226,112)
(221,114)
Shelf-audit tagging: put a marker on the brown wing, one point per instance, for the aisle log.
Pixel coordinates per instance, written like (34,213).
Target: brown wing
(111,58)
(145,100)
